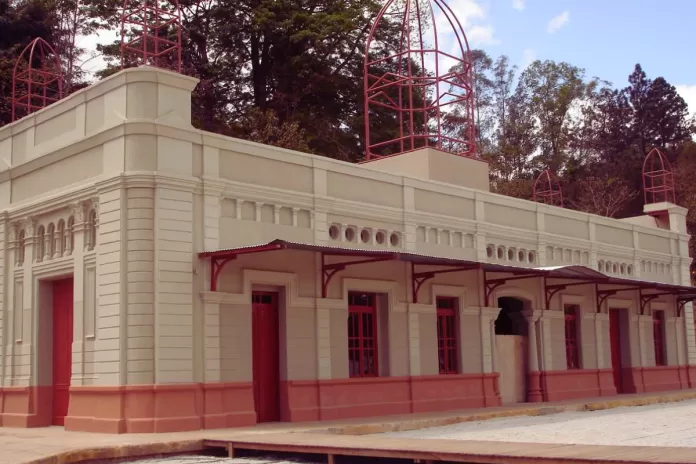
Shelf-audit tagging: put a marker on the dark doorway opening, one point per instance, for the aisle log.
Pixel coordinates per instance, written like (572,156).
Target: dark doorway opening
(510,320)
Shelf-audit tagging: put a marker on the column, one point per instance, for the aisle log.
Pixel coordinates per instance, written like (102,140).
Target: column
(23,323)
(593,243)
(140,320)
(174,315)
(7,263)
(488,317)
(79,227)
(112,284)
(534,387)
(211,335)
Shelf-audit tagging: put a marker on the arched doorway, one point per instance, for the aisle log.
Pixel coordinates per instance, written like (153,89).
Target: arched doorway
(511,349)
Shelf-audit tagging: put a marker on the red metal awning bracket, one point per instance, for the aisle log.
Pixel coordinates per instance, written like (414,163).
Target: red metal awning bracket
(420,278)
(492,284)
(602,296)
(552,290)
(328,271)
(216,265)
(681,301)
(646,299)
(219,259)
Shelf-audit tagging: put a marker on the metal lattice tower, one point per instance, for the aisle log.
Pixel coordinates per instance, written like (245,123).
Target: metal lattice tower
(418,84)
(151,34)
(37,79)
(547,189)
(658,179)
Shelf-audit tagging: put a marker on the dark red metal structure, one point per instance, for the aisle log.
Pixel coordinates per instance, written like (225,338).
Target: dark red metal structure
(547,189)
(37,79)
(151,34)
(425,93)
(658,180)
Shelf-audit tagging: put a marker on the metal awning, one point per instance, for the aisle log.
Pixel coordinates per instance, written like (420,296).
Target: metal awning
(572,275)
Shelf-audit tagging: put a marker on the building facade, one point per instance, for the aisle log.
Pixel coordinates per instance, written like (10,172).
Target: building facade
(159,278)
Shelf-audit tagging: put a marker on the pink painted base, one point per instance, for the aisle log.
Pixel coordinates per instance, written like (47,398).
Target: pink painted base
(160,408)
(349,398)
(656,379)
(172,408)
(25,406)
(578,383)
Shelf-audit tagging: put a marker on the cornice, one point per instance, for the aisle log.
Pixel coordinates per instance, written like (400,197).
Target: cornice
(212,185)
(53,266)
(180,183)
(90,259)
(57,201)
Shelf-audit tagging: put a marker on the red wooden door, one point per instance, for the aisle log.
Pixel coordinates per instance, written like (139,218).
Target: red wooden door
(62,347)
(615,338)
(266,353)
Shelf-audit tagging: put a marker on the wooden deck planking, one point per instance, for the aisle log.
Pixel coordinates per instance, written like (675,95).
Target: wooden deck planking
(457,450)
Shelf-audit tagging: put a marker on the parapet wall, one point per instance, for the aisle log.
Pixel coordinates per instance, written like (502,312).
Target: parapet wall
(139,121)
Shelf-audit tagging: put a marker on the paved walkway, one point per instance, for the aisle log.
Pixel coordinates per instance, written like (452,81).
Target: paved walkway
(670,424)
(54,445)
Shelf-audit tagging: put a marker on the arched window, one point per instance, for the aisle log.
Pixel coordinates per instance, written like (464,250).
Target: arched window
(50,240)
(69,245)
(92,230)
(60,239)
(20,248)
(40,244)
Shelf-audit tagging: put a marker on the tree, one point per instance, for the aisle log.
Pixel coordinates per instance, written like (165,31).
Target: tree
(302,60)
(602,195)
(266,129)
(518,139)
(684,175)
(483,86)
(502,89)
(551,90)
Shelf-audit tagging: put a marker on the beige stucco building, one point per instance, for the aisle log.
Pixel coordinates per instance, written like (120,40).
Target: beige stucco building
(158,278)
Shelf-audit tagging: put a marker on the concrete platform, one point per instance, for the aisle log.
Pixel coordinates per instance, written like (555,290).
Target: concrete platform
(54,445)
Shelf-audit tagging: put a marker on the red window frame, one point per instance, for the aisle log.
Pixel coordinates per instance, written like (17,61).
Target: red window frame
(571,337)
(447,339)
(658,337)
(362,335)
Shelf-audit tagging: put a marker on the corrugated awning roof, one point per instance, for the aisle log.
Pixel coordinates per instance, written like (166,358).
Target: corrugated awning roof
(574,272)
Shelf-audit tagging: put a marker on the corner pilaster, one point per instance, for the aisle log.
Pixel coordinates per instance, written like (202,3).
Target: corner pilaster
(78,353)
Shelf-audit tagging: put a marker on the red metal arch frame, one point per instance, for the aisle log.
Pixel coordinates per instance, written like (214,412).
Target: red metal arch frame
(394,90)
(156,29)
(35,87)
(658,179)
(547,189)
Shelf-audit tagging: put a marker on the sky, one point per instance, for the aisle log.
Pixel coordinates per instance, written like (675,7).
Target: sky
(606,38)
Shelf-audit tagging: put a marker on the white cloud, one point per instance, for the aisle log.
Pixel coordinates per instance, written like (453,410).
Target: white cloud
(518,4)
(559,21)
(529,56)
(481,35)
(473,18)
(466,11)
(688,93)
